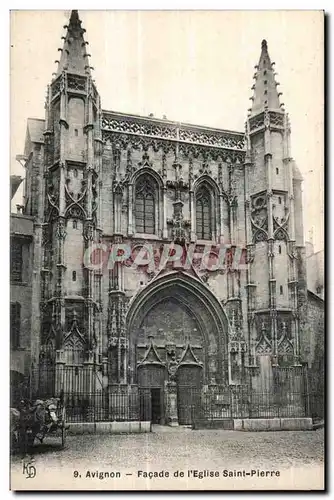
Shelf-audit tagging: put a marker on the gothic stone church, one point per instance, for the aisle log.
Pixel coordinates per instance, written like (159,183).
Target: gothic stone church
(124,331)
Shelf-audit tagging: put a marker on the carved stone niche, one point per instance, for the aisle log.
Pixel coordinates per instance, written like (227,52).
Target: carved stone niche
(172,363)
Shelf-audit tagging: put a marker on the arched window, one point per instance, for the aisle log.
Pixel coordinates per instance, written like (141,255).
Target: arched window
(203,214)
(145,205)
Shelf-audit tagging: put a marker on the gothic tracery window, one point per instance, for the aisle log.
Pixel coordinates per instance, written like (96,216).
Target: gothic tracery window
(145,205)
(203,214)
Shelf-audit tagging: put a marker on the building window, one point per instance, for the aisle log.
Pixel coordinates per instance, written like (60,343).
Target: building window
(203,214)
(76,132)
(74,275)
(279,200)
(145,205)
(279,249)
(277,171)
(15,323)
(319,290)
(16,261)
(75,224)
(281,290)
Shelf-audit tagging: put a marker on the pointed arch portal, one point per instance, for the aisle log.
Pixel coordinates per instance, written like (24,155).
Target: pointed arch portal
(177,331)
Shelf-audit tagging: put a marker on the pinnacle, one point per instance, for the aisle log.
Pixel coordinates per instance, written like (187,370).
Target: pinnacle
(74,57)
(264,44)
(265,94)
(74,19)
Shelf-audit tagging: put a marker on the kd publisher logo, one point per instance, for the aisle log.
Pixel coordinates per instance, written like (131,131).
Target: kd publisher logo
(29,469)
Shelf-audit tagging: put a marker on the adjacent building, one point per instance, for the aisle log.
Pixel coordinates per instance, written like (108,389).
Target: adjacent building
(21,264)
(315,266)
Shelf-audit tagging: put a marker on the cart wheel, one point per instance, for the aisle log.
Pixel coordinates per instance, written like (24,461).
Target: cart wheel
(63,428)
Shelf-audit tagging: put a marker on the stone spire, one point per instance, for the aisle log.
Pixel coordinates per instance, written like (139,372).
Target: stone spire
(74,57)
(265,94)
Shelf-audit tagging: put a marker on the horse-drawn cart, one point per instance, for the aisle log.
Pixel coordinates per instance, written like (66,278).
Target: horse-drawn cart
(35,421)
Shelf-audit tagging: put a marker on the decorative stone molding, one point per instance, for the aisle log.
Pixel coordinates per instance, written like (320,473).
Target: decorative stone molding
(76,82)
(75,204)
(74,339)
(163,130)
(88,230)
(61,229)
(263,345)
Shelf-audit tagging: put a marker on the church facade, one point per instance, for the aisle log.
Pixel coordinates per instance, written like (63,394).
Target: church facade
(169,258)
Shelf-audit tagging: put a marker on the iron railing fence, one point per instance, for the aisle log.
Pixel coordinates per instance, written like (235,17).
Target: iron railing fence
(136,405)
(289,398)
(282,405)
(107,407)
(239,402)
(210,408)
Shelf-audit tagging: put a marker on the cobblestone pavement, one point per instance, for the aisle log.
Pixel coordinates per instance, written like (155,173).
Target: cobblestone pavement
(181,449)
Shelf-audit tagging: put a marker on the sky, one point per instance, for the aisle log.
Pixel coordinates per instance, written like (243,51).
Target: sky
(192,66)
